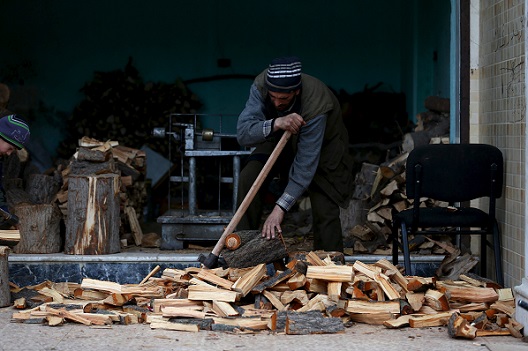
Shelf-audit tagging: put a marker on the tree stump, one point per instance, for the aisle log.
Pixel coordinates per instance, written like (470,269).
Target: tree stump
(39,228)
(254,250)
(92,226)
(5,294)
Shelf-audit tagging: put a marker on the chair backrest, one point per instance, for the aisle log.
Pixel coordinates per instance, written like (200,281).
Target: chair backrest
(455,172)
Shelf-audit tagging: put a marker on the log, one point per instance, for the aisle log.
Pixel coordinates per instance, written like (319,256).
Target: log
(92,168)
(254,250)
(313,322)
(42,188)
(5,294)
(92,226)
(39,228)
(85,154)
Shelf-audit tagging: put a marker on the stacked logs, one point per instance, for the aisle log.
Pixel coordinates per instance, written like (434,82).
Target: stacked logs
(380,189)
(41,200)
(94,157)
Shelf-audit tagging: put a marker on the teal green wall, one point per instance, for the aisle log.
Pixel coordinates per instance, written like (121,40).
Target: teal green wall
(54,46)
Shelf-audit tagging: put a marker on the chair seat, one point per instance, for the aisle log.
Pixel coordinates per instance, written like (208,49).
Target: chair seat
(447,217)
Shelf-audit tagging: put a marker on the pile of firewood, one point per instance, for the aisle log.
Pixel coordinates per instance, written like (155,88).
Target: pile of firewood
(310,294)
(380,189)
(96,157)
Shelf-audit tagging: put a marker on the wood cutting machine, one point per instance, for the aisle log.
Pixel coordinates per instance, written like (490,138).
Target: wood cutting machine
(196,147)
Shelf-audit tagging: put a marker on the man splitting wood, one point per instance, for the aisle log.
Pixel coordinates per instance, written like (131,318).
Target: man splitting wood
(14,134)
(315,160)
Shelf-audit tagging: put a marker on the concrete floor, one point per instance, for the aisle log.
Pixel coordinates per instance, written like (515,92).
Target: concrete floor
(71,336)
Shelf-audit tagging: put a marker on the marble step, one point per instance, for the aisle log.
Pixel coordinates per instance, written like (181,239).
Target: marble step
(132,267)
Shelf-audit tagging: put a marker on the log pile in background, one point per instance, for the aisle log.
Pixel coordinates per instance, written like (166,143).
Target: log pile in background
(315,295)
(97,157)
(380,189)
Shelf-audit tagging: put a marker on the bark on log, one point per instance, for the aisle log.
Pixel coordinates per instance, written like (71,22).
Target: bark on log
(92,226)
(254,250)
(39,228)
(42,188)
(313,322)
(17,196)
(5,294)
(92,168)
(359,204)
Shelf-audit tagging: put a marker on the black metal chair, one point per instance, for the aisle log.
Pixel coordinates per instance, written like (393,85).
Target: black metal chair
(453,173)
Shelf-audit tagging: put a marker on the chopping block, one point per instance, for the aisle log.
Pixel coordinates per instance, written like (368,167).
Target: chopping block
(247,248)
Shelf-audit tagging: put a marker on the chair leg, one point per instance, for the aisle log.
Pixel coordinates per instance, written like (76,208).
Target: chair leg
(395,242)
(406,254)
(497,251)
(484,255)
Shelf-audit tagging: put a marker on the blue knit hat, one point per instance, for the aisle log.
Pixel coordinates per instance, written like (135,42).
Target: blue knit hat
(284,74)
(14,130)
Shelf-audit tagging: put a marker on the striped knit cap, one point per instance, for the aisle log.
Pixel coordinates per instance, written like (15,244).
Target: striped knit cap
(284,74)
(14,130)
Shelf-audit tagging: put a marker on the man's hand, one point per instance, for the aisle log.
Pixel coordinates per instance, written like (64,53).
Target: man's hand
(273,223)
(292,122)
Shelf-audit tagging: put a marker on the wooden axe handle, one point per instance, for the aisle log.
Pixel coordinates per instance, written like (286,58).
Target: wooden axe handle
(252,192)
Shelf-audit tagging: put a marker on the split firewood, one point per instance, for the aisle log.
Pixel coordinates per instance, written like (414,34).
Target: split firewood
(386,286)
(317,303)
(157,304)
(400,322)
(249,280)
(275,300)
(415,299)
(359,306)
(273,281)
(298,280)
(437,300)
(87,294)
(393,272)
(458,327)
(378,318)
(201,292)
(170,325)
(334,290)
(196,298)
(10,235)
(20,303)
(369,270)
(331,273)
(210,277)
(432,320)
(467,292)
(497,332)
(419,284)
(313,259)
(189,312)
(318,286)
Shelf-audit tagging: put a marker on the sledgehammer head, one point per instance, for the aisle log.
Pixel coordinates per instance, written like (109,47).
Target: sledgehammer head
(210,261)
